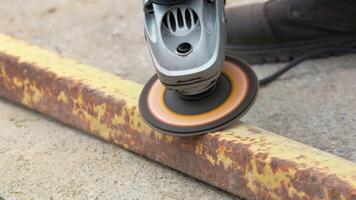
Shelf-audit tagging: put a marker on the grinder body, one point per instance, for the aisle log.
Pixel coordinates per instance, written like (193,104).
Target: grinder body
(186,39)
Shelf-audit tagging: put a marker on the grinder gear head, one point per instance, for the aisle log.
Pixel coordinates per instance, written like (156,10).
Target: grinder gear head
(186,39)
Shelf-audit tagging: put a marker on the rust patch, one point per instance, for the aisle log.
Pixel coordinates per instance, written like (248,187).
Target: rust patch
(279,165)
(260,162)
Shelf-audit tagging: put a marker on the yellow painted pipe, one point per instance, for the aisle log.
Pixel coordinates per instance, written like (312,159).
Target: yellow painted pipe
(246,161)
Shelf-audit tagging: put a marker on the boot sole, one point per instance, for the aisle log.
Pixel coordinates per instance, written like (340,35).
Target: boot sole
(286,52)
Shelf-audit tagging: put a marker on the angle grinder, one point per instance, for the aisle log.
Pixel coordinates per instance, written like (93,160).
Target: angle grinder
(196,89)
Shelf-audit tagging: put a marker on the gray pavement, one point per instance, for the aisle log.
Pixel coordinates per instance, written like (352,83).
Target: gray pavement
(42,159)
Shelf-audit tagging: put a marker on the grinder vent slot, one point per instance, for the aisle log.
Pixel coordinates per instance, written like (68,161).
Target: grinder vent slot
(180,19)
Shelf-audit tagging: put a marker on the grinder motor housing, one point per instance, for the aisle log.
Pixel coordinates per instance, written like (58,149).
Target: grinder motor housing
(186,39)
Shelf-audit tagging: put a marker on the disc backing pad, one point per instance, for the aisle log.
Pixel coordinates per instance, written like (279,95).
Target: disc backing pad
(234,93)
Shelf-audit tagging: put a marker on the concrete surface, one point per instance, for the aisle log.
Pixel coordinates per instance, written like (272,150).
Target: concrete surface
(42,159)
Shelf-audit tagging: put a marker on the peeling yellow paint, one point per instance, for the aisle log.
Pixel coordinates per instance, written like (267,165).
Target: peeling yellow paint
(199,149)
(62,97)
(159,136)
(31,94)
(118,119)
(100,110)
(94,121)
(210,159)
(221,157)
(37,93)
(169,138)
(17,82)
(271,179)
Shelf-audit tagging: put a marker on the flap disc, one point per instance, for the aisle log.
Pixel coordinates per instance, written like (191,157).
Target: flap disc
(234,93)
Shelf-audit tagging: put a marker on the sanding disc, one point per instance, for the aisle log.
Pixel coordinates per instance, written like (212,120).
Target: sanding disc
(234,93)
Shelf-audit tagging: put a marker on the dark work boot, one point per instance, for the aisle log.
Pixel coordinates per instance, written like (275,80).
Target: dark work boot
(281,30)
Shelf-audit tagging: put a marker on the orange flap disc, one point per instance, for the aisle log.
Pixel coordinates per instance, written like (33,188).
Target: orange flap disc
(235,92)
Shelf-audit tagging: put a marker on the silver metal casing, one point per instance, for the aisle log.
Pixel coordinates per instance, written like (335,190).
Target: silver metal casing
(187,43)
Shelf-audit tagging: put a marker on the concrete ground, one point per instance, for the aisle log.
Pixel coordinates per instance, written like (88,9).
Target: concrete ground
(42,159)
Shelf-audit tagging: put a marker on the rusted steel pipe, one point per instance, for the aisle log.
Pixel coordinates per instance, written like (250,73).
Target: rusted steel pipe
(247,161)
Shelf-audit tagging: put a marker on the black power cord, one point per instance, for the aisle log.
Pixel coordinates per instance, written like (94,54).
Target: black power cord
(267,80)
